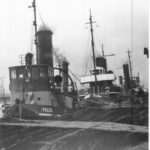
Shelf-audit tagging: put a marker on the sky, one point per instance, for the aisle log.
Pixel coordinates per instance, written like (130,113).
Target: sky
(71,35)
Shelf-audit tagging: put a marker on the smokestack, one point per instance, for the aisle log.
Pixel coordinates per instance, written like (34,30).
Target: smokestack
(45,52)
(126,76)
(101,62)
(65,76)
(28,58)
(120,80)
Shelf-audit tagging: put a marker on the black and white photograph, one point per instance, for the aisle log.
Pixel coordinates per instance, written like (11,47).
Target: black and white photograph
(74,74)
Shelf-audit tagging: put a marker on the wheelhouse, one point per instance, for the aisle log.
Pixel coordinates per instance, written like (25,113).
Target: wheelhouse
(30,78)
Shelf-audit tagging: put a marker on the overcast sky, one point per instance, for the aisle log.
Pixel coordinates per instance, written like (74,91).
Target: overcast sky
(67,19)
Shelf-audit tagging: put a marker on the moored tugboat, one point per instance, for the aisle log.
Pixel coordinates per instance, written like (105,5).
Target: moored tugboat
(36,90)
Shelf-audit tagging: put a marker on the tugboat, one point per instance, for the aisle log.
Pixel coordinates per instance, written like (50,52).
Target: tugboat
(100,80)
(36,90)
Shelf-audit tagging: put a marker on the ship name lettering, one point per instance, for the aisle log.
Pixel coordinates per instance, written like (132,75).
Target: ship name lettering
(47,110)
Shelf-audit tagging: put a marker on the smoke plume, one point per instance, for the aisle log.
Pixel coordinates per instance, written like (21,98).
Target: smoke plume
(45,28)
(60,55)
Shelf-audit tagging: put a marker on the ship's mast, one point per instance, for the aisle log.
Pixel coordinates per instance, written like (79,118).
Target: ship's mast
(130,68)
(93,48)
(35,29)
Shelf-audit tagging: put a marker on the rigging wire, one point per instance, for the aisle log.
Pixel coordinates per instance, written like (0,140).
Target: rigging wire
(86,67)
(42,20)
(86,56)
(31,48)
(97,52)
(88,64)
(132,30)
(75,76)
(97,41)
(100,44)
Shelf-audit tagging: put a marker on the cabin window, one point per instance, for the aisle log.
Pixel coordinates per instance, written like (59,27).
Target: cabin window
(13,74)
(96,72)
(20,73)
(101,71)
(35,73)
(43,72)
